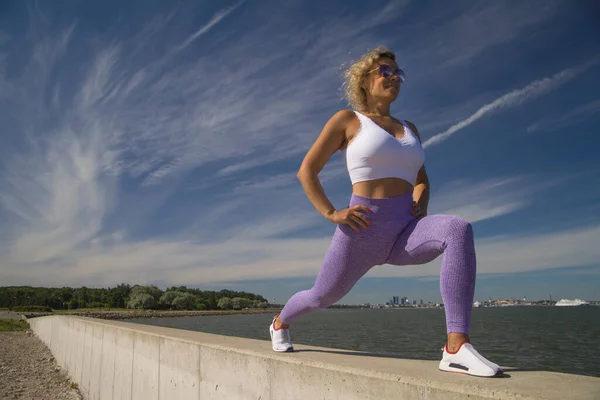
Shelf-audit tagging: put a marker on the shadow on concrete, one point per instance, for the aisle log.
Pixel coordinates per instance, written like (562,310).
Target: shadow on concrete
(362,354)
(506,370)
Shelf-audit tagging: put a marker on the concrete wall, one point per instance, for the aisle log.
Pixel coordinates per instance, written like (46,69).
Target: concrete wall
(119,360)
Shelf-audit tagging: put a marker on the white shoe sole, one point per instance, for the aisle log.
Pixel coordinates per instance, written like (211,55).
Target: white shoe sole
(288,350)
(447,366)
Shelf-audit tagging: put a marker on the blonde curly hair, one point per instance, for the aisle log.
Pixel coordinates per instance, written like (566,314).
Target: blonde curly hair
(355,74)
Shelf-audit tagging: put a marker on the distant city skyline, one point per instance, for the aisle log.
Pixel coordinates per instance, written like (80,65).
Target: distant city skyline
(569,286)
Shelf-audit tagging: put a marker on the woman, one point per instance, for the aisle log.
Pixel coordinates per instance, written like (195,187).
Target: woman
(386,221)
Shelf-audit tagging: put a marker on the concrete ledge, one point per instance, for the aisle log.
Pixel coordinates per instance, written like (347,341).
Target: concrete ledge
(120,360)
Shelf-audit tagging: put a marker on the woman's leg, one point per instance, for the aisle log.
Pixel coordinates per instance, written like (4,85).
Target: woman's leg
(349,256)
(422,241)
(425,239)
(346,261)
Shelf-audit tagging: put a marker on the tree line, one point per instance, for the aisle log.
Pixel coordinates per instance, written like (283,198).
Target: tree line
(126,296)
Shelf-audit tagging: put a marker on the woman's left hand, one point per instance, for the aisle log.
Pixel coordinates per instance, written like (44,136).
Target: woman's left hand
(417,211)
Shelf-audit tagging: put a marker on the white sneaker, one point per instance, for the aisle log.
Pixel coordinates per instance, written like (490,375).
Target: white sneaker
(466,360)
(280,338)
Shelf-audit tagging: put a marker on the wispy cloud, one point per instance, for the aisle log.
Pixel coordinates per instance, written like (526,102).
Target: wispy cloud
(209,25)
(134,115)
(272,182)
(572,117)
(62,204)
(477,201)
(514,98)
(198,264)
(460,32)
(249,241)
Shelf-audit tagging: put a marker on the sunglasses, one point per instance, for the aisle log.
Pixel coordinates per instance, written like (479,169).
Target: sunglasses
(387,72)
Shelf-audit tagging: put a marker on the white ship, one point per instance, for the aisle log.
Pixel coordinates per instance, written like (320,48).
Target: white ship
(476,304)
(571,303)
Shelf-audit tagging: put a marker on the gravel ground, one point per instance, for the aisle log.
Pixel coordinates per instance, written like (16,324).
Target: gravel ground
(28,370)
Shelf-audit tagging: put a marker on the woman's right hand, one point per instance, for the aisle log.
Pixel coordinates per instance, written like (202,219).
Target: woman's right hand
(351,216)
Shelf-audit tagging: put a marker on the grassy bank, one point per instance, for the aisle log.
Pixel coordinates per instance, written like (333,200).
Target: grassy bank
(8,325)
(132,314)
(89,310)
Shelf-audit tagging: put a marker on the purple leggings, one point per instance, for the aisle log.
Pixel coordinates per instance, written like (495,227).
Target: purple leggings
(395,237)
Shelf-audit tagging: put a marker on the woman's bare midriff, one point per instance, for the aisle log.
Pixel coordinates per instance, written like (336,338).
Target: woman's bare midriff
(382,188)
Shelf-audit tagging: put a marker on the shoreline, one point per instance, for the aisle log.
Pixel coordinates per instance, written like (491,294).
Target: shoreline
(135,314)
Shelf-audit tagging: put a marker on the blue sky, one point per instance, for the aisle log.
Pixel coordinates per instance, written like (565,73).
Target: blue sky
(157,142)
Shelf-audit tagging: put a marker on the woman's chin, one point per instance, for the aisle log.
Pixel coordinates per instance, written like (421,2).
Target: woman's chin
(390,95)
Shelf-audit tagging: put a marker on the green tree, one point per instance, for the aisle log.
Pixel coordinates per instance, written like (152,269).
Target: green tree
(141,300)
(167,298)
(184,301)
(151,290)
(121,296)
(240,303)
(225,303)
(200,305)
(116,297)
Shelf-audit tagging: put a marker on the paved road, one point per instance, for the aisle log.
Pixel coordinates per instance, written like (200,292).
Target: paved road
(9,314)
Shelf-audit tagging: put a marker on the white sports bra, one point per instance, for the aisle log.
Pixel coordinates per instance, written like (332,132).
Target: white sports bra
(375,154)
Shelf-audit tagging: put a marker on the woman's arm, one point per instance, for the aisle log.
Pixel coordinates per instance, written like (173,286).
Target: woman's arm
(329,141)
(421,190)
(421,187)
